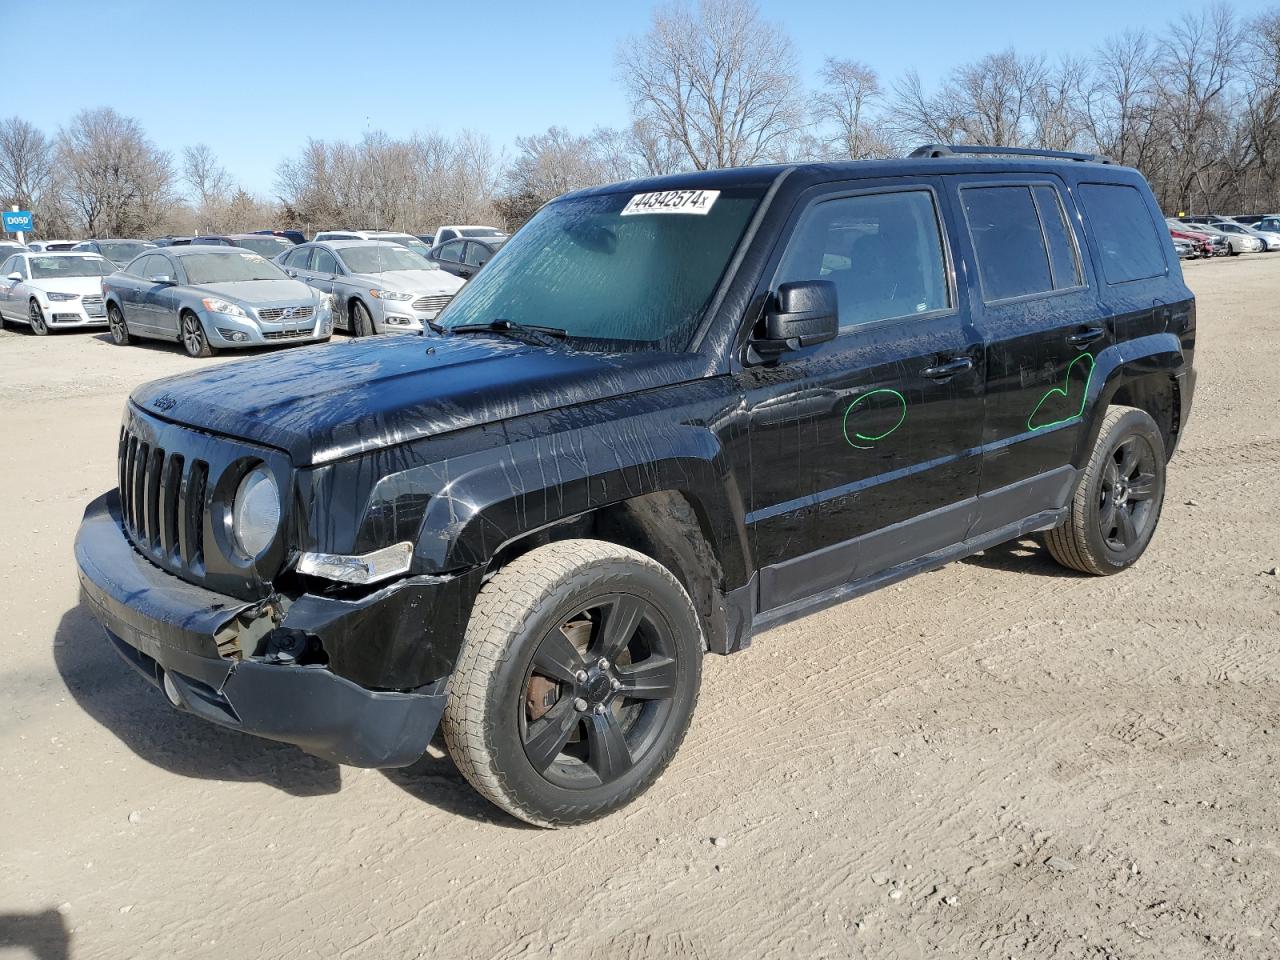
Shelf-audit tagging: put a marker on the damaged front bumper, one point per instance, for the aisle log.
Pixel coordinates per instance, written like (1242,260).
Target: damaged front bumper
(204,644)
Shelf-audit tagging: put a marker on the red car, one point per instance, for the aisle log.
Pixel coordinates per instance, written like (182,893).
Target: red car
(1203,245)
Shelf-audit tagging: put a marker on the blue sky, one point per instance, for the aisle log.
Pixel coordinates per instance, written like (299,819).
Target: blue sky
(255,79)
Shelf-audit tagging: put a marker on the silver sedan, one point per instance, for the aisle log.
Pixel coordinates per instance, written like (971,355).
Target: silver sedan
(378,287)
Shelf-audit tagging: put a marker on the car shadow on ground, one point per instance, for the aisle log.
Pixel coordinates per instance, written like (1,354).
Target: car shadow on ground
(41,935)
(1026,556)
(137,713)
(113,693)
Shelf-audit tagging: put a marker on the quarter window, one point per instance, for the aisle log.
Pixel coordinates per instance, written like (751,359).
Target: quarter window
(883,252)
(1126,233)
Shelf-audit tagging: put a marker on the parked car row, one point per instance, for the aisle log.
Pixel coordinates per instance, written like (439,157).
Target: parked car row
(1205,236)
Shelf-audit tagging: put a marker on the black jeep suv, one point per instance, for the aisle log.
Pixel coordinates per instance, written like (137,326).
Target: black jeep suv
(667,415)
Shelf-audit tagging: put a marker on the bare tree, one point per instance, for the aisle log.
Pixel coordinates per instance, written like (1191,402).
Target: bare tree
(717,81)
(207,178)
(117,182)
(26,163)
(845,103)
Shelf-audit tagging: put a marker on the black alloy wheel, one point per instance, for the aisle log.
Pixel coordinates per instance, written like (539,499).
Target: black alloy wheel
(1125,507)
(598,691)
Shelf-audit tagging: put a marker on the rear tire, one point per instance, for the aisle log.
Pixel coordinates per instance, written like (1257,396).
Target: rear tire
(193,336)
(576,682)
(1117,502)
(119,327)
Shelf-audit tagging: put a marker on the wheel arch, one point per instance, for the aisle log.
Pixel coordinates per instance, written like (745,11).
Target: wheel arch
(1141,373)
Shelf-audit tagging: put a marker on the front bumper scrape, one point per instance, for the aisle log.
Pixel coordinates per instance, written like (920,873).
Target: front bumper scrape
(163,625)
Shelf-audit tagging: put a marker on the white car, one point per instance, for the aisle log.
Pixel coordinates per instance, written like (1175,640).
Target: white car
(478,231)
(50,246)
(389,236)
(52,291)
(1243,239)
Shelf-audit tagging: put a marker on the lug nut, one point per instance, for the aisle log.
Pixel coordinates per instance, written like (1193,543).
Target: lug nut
(579,704)
(599,708)
(616,683)
(603,664)
(581,676)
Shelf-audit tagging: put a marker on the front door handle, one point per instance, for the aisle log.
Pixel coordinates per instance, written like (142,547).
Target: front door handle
(1086,336)
(948,369)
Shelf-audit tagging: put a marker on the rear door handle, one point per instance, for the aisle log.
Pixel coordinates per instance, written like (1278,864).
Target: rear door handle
(948,369)
(1086,336)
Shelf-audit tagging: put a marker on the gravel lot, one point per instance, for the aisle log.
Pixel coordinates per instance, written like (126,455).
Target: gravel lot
(999,759)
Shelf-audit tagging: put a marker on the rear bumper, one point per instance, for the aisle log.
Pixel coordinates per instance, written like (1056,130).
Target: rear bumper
(163,625)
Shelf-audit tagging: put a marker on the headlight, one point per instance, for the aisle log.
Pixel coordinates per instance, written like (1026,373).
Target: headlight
(255,513)
(390,295)
(62,297)
(215,305)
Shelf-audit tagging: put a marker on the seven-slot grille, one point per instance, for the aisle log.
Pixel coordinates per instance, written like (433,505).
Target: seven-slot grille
(272,314)
(162,501)
(432,303)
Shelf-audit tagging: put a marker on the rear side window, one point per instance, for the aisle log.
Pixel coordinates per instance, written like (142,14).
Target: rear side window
(883,252)
(1127,239)
(1012,241)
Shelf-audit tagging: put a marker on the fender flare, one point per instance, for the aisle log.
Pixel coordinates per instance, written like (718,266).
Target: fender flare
(1122,364)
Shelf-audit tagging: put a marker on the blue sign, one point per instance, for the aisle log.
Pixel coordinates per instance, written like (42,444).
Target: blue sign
(18,221)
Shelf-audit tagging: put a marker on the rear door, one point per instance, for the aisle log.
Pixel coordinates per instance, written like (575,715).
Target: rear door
(1037,305)
(865,450)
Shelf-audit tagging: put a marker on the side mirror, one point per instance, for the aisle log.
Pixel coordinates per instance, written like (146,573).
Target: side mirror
(14,276)
(163,279)
(805,313)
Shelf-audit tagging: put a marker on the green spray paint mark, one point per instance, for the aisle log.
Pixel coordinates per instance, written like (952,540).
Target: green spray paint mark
(1064,392)
(902,401)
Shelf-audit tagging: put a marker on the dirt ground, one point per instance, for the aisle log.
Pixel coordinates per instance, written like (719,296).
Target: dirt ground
(996,760)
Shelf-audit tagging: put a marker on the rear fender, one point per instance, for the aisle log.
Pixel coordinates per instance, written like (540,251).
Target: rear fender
(1119,367)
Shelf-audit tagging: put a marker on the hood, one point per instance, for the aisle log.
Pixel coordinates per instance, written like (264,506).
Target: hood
(262,293)
(323,403)
(415,281)
(85,286)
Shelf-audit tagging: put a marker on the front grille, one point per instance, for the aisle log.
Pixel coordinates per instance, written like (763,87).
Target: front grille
(432,303)
(286,334)
(272,314)
(162,502)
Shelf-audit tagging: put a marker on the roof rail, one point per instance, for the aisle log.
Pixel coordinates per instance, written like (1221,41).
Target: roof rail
(934,150)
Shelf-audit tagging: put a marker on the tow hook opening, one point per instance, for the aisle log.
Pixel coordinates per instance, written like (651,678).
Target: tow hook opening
(287,646)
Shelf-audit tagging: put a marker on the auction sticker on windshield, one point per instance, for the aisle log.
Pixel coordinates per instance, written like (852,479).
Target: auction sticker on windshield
(671,201)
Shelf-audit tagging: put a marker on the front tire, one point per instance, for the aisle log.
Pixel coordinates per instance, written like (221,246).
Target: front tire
(1117,503)
(35,316)
(361,321)
(119,327)
(194,340)
(576,682)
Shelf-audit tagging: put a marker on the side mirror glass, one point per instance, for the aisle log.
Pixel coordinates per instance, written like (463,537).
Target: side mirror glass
(804,313)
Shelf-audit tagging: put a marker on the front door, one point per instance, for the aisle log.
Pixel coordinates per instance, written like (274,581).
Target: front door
(865,450)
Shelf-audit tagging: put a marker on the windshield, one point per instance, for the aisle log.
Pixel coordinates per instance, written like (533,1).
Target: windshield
(413,243)
(481,232)
(51,268)
(122,251)
(635,270)
(266,246)
(229,268)
(383,258)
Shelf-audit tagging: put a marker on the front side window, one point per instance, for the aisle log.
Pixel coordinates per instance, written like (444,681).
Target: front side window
(9,266)
(229,268)
(324,262)
(451,251)
(631,270)
(883,251)
(1125,230)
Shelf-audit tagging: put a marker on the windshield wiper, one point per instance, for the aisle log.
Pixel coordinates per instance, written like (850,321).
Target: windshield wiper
(524,332)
